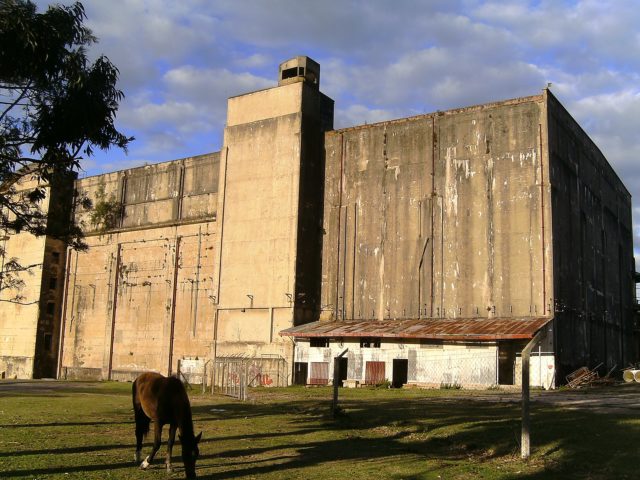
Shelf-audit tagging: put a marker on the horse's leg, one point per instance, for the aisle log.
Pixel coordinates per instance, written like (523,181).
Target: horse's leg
(157,434)
(142,427)
(172,439)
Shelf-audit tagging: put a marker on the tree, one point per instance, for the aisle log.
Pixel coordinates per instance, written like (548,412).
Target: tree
(55,108)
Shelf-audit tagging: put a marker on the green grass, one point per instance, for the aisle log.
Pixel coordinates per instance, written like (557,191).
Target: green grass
(86,431)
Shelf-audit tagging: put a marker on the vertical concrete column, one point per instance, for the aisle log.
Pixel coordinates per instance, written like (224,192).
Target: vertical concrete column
(269,204)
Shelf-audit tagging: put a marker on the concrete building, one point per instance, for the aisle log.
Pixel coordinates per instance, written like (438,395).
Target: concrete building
(30,316)
(433,248)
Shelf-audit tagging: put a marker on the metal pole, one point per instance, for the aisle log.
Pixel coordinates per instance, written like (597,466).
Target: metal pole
(525,445)
(336,379)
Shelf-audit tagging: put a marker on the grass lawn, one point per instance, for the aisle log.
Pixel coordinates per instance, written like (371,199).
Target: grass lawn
(86,431)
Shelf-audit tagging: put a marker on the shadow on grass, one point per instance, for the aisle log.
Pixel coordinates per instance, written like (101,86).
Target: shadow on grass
(565,443)
(67,450)
(60,424)
(451,435)
(34,472)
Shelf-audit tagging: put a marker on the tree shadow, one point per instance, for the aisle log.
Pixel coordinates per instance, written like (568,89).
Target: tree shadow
(66,450)
(31,472)
(439,430)
(60,424)
(433,434)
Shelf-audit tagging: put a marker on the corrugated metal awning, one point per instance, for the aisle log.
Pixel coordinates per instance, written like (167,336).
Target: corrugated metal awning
(475,329)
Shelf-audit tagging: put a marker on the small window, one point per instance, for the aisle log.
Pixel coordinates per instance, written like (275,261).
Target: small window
(370,343)
(53,283)
(55,257)
(289,73)
(319,342)
(51,307)
(433,344)
(48,339)
(301,71)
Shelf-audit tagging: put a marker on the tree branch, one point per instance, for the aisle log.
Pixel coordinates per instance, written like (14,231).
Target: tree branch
(16,102)
(18,302)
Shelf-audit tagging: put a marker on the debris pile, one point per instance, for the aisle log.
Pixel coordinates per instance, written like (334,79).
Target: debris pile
(585,377)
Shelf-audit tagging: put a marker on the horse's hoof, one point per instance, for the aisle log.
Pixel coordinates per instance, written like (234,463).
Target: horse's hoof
(136,457)
(169,469)
(144,465)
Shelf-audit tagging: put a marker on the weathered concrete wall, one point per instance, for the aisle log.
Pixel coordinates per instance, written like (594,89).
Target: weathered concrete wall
(143,295)
(593,250)
(167,193)
(19,321)
(438,216)
(30,315)
(269,254)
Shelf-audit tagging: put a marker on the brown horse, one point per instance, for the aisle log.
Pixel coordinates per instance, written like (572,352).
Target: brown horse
(164,400)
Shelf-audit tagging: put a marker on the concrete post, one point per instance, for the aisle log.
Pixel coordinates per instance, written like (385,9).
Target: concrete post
(525,445)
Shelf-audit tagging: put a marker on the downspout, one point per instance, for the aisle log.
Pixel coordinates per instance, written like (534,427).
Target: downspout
(113,309)
(544,269)
(223,174)
(174,294)
(339,225)
(63,323)
(433,196)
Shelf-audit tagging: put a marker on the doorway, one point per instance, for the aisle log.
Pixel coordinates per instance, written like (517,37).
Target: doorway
(300,370)
(400,372)
(343,364)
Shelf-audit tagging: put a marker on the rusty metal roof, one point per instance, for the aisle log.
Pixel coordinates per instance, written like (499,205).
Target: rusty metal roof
(476,329)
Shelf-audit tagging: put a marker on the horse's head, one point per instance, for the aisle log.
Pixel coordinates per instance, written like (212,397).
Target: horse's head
(190,453)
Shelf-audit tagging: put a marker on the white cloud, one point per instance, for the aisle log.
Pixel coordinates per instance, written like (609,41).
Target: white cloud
(255,60)
(179,61)
(203,84)
(359,115)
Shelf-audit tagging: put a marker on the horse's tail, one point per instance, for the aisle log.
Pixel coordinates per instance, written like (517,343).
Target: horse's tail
(142,421)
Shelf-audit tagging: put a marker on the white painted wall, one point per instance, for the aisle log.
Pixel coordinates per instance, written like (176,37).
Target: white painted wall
(429,365)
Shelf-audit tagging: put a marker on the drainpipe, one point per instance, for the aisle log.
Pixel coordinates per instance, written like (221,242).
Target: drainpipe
(63,322)
(525,446)
(176,265)
(114,308)
(542,222)
(338,246)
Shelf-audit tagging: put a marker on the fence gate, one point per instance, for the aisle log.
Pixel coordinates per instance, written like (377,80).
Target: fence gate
(232,375)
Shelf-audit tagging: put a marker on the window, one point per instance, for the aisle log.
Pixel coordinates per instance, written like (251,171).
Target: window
(319,342)
(51,308)
(55,257)
(47,342)
(434,344)
(53,283)
(289,73)
(370,343)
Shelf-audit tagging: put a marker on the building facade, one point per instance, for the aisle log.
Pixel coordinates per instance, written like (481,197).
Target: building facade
(431,248)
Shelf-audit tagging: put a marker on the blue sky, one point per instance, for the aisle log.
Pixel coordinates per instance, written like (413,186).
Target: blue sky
(180,60)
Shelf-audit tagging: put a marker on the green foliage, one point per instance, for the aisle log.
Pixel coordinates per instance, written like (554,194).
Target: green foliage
(106,212)
(55,108)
